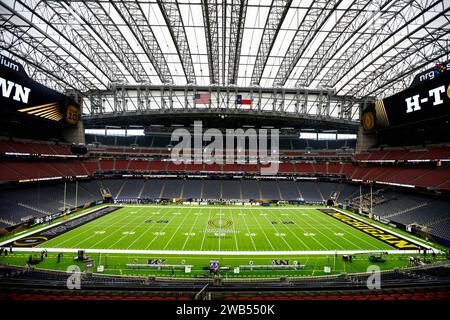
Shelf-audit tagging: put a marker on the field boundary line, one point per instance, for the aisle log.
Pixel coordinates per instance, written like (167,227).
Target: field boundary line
(389,231)
(89,229)
(339,225)
(212,207)
(51,225)
(216,253)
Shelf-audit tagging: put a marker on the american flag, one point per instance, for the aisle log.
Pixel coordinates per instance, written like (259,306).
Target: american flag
(201,98)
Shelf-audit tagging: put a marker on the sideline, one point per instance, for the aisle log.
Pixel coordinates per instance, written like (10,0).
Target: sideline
(389,231)
(229,253)
(212,206)
(216,253)
(51,225)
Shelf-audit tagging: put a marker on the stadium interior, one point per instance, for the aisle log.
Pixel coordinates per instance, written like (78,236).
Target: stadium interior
(93,93)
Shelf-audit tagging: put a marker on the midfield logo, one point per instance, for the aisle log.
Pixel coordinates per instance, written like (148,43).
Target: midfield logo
(220,223)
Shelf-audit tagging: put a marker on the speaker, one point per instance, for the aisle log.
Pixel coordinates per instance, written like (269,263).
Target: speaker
(78,149)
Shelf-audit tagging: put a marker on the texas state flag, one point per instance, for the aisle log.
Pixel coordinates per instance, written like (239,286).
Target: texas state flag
(239,100)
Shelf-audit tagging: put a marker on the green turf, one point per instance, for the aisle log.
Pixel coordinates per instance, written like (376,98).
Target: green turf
(189,228)
(217,229)
(116,264)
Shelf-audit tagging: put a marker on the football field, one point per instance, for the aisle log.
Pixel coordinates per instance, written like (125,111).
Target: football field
(176,228)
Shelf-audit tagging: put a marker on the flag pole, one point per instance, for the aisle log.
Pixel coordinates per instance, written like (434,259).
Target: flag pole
(76,194)
(360,199)
(64,204)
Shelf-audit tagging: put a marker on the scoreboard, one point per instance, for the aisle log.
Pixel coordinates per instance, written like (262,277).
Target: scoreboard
(426,99)
(21,94)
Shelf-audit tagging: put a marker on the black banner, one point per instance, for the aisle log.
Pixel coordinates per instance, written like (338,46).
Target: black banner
(374,231)
(44,235)
(430,100)
(19,93)
(431,73)
(425,101)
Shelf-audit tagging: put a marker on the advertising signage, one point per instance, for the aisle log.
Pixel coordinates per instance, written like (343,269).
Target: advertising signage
(19,93)
(429,75)
(425,101)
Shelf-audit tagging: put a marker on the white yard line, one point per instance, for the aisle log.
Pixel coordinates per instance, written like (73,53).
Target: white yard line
(220,211)
(338,224)
(217,252)
(277,231)
(156,236)
(234,229)
(246,225)
(206,228)
(190,231)
(212,207)
(323,234)
(323,223)
(214,253)
(262,231)
(299,239)
(176,231)
(138,216)
(149,228)
(89,229)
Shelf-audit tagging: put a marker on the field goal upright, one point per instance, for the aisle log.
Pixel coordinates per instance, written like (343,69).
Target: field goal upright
(106,194)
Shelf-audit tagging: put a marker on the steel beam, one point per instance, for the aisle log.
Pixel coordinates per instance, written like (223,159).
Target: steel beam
(277,13)
(348,25)
(407,51)
(64,22)
(398,15)
(19,42)
(174,21)
(99,20)
(29,14)
(134,17)
(312,22)
(318,104)
(211,23)
(238,13)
